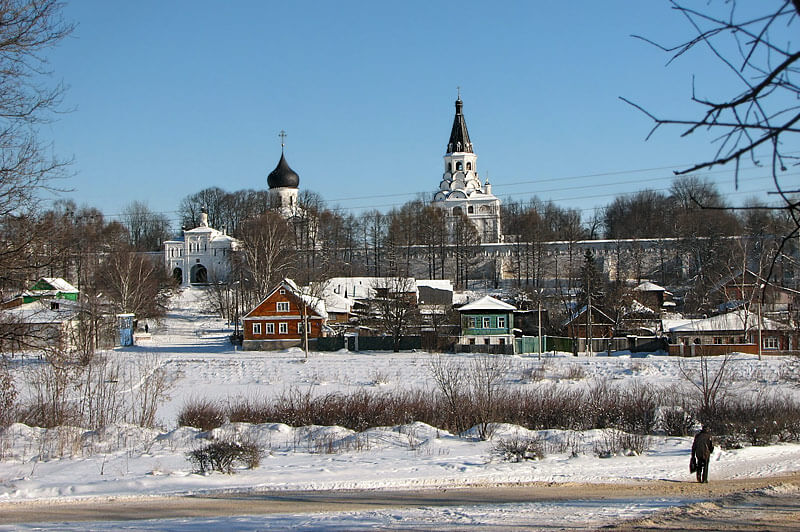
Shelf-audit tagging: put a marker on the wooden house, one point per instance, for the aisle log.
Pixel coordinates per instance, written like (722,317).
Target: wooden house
(279,320)
(487,321)
(589,324)
(736,331)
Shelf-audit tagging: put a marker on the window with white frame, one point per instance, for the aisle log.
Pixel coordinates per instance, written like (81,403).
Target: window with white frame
(256,328)
(283,306)
(770,342)
(283,328)
(299,327)
(270,328)
(501,322)
(487,323)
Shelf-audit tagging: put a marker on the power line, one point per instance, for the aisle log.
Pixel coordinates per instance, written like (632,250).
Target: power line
(562,179)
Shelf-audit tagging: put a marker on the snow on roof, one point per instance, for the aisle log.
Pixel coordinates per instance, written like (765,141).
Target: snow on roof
(59,284)
(215,235)
(314,303)
(647,286)
(336,303)
(669,323)
(436,284)
(732,321)
(487,303)
(317,304)
(39,312)
(639,308)
(361,287)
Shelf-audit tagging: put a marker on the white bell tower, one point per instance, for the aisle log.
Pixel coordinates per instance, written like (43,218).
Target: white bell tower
(460,191)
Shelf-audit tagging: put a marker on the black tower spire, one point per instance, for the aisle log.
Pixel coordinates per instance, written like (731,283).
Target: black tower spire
(459,136)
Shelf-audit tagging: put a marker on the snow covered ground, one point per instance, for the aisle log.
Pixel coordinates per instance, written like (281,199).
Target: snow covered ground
(124,460)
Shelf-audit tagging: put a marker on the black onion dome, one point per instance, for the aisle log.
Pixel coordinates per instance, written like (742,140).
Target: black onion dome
(283,176)
(459,137)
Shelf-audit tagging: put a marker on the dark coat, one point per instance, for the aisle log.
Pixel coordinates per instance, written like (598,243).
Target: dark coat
(702,446)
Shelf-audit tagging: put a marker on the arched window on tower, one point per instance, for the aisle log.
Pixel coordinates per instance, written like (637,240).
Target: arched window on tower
(449,168)
(470,209)
(458,166)
(469,166)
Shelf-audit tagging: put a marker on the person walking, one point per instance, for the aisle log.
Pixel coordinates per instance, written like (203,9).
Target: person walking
(702,447)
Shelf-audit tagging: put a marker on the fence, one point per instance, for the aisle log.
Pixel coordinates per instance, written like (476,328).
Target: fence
(368,343)
(530,344)
(493,349)
(700,350)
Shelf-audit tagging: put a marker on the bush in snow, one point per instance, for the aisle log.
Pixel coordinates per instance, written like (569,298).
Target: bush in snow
(202,414)
(675,421)
(755,419)
(615,442)
(519,448)
(223,455)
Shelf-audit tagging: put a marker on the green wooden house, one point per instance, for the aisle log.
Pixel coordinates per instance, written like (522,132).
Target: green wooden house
(487,321)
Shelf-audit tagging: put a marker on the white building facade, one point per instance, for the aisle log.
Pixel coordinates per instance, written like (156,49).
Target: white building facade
(461,193)
(201,255)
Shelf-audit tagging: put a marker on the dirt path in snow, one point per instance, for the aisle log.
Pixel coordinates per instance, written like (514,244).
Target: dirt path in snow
(740,504)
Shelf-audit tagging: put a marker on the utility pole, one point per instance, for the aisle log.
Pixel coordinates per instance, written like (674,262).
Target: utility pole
(540,325)
(760,293)
(589,318)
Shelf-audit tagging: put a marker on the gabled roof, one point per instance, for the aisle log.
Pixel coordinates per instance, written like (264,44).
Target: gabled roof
(739,320)
(581,311)
(647,286)
(337,304)
(487,303)
(317,305)
(55,283)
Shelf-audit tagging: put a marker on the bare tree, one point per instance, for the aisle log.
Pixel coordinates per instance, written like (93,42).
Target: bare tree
(211,199)
(711,380)
(28,28)
(267,252)
(394,308)
(760,49)
(486,378)
(450,377)
(134,283)
(147,229)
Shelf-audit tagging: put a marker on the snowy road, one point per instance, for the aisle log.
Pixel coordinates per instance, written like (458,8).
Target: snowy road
(572,505)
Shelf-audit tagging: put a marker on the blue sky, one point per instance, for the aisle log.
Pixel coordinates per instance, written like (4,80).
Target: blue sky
(168,98)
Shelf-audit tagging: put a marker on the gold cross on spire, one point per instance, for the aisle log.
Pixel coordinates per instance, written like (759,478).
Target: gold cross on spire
(458,88)
(282,135)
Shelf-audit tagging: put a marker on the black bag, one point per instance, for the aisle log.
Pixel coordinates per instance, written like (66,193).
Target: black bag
(692,465)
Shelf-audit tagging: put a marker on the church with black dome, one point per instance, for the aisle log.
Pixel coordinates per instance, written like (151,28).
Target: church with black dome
(283,183)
